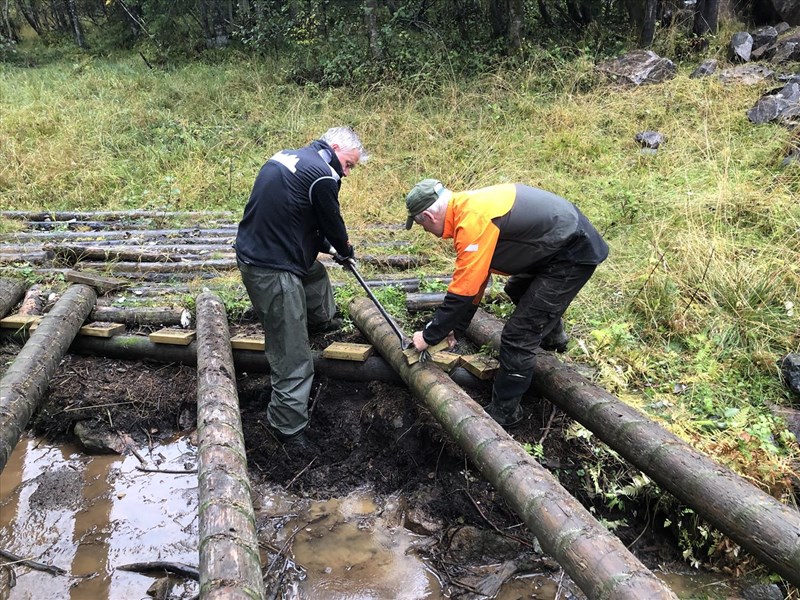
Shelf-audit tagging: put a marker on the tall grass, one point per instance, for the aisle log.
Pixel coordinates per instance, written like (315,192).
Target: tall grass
(690,313)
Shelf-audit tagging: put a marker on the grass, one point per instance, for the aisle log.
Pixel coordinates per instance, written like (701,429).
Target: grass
(687,319)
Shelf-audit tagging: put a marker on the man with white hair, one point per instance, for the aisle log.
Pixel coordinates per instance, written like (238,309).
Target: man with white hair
(293,214)
(546,245)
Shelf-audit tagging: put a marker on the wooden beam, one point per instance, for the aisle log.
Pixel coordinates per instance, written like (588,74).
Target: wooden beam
(102,330)
(597,561)
(230,565)
(480,365)
(26,380)
(169,335)
(19,321)
(346,351)
(247,342)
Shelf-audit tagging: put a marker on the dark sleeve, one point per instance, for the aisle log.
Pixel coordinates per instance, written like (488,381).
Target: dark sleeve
(450,316)
(325,199)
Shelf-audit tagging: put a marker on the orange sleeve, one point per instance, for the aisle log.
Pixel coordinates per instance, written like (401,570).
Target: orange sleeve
(475,239)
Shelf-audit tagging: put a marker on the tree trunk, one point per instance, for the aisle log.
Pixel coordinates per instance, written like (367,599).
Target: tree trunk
(706,15)
(77,30)
(516,18)
(371,23)
(11,291)
(149,316)
(648,27)
(72,253)
(596,560)
(767,529)
(30,17)
(26,380)
(230,566)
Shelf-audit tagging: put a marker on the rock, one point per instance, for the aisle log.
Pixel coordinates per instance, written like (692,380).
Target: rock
(649,139)
(782,27)
(786,50)
(778,106)
(741,46)
(639,68)
(705,69)
(746,74)
(790,369)
(101,441)
(764,36)
(762,591)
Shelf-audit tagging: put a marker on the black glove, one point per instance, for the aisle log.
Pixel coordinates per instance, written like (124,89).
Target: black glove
(349,258)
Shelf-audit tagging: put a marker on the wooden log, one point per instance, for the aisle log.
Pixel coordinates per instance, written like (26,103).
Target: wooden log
(139,347)
(11,291)
(230,564)
(73,253)
(32,258)
(149,316)
(26,380)
(117,235)
(424,301)
(223,264)
(596,560)
(111,215)
(102,284)
(34,301)
(767,529)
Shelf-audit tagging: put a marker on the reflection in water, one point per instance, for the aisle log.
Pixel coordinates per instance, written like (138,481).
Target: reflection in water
(122,516)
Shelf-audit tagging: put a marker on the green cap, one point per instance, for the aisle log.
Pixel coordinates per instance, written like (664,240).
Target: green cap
(421,198)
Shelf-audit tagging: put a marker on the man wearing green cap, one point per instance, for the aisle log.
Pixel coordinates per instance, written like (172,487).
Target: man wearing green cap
(546,245)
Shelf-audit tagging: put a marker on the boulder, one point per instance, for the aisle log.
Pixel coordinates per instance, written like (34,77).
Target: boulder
(790,369)
(777,105)
(741,46)
(764,40)
(649,139)
(787,47)
(639,68)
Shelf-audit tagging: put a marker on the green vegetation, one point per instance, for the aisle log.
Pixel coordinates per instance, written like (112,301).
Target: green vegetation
(686,320)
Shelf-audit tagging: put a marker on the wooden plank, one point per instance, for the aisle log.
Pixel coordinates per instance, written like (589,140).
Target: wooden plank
(244,342)
(20,321)
(102,284)
(102,329)
(169,335)
(347,351)
(446,361)
(480,365)
(412,356)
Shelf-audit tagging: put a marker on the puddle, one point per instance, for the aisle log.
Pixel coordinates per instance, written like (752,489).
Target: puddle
(89,515)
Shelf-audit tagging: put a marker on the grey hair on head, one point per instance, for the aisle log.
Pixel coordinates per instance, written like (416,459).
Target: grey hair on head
(347,139)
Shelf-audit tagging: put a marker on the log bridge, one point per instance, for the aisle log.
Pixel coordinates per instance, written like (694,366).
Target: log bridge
(595,559)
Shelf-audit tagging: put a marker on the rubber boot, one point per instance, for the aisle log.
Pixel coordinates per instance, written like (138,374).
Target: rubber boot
(556,340)
(506,395)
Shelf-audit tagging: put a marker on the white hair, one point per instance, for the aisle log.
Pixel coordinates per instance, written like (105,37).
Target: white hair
(346,139)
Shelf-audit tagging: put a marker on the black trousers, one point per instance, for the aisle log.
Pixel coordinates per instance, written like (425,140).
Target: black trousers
(541,299)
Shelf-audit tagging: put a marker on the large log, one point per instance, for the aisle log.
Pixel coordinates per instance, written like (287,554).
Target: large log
(110,215)
(596,560)
(26,380)
(72,253)
(150,316)
(139,347)
(11,291)
(767,529)
(53,236)
(230,565)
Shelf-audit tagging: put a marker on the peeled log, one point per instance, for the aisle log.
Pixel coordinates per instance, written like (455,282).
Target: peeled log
(139,347)
(26,380)
(596,560)
(151,316)
(11,290)
(230,565)
(767,529)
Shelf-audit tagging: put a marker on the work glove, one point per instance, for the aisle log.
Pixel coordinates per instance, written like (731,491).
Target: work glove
(342,259)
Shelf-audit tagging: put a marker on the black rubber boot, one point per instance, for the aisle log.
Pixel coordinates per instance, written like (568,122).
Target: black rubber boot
(556,340)
(506,394)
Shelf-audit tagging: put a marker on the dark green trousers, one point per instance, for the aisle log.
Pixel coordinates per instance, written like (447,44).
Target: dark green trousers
(286,305)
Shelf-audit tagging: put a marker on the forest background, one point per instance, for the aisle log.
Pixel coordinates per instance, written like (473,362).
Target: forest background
(174,105)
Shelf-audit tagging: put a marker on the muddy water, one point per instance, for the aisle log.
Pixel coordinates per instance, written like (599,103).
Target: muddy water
(91,514)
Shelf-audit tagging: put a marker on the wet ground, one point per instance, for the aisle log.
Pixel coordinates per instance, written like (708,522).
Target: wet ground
(382,506)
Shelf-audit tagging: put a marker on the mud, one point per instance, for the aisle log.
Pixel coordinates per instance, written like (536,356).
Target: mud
(373,437)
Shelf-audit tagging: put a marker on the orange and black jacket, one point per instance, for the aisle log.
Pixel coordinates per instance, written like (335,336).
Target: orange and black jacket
(509,229)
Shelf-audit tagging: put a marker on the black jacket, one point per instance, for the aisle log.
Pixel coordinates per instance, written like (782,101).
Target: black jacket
(293,208)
